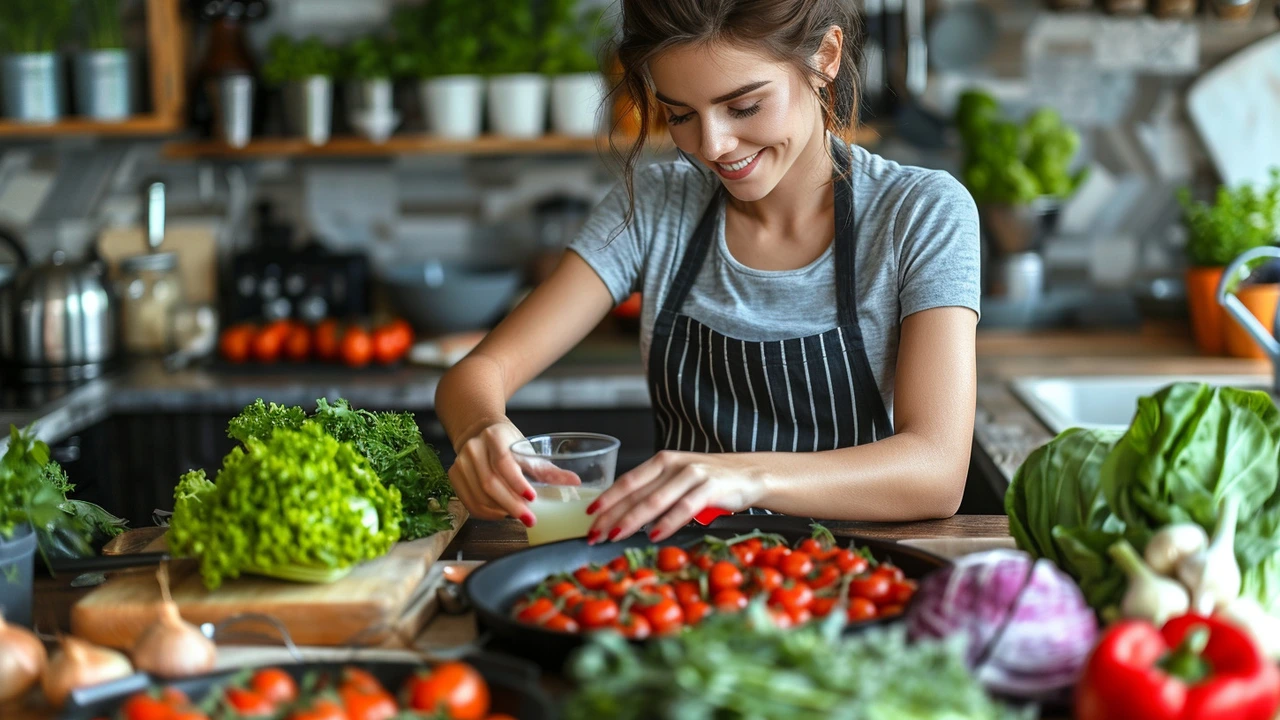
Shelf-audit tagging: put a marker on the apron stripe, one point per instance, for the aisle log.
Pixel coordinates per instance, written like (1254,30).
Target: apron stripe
(728,373)
(768,390)
(808,388)
(680,391)
(697,393)
(848,373)
(755,412)
(712,367)
(669,409)
(831,393)
(791,400)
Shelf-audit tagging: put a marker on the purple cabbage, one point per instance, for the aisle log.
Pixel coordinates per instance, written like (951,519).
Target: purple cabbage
(1027,628)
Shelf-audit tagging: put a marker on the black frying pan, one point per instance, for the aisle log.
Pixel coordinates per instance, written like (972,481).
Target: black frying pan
(493,588)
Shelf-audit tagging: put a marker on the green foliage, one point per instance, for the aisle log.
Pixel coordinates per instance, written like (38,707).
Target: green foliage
(1010,163)
(510,39)
(1239,219)
(289,60)
(374,58)
(571,38)
(298,504)
(102,24)
(33,26)
(441,37)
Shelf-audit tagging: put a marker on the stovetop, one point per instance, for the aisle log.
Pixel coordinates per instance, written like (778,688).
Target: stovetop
(21,397)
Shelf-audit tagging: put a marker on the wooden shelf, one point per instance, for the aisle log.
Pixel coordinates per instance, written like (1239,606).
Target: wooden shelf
(139,125)
(415,144)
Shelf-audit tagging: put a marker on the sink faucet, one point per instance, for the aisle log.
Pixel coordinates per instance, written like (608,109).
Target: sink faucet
(1236,271)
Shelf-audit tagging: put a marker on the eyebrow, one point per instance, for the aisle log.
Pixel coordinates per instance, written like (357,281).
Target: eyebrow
(722,99)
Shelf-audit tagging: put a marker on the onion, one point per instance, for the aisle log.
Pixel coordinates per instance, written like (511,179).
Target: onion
(22,659)
(79,663)
(173,647)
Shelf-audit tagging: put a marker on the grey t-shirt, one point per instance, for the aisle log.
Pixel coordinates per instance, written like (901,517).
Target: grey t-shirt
(918,248)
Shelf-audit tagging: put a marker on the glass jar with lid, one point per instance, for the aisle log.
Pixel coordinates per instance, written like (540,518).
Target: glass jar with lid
(150,290)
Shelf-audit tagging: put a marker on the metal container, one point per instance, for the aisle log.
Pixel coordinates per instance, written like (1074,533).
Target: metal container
(104,84)
(1018,228)
(32,85)
(58,321)
(234,114)
(308,108)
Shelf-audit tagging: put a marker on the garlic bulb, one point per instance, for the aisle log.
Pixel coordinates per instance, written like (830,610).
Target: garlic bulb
(1212,574)
(1149,596)
(1171,544)
(22,659)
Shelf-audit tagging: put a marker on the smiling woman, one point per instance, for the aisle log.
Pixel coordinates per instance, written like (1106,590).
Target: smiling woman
(809,308)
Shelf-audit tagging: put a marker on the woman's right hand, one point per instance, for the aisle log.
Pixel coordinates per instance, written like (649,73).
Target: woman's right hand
(486,477)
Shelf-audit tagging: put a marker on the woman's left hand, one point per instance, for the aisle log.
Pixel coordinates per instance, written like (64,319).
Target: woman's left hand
(671,488)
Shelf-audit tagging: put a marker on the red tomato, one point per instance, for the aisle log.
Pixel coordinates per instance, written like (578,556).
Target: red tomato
(811,547)
(696,612)
(849,561)
(729,601)
(236,343)
(618,588)
(772,557)
(327,340)
(597,613)
(362,680)
(634,627)
(893,572)
(672,559)
(565,589)
(687,591)
(538,612)
(873,587)
(821,606)
(368,705)
(664,617)
(703,561)
(144,707)
(663,590)
(861,609)
(782,618)
(592,578)
(297,344)
(745,553)
(248,703)
(387,347)
(901,591)
(725,576)
(357,347)
(827,576)
(268,343)
(454,688)
(620,564)
(767,579)
(561,623)
(275,685)
(645,576)
(796,597)
(797,565)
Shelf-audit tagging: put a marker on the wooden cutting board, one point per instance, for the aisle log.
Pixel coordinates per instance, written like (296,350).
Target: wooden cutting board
(378,603)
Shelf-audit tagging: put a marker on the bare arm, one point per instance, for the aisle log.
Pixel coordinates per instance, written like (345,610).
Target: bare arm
(472,396)
(918,473)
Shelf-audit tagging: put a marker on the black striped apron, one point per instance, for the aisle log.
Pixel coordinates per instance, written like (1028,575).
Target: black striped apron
(713,393)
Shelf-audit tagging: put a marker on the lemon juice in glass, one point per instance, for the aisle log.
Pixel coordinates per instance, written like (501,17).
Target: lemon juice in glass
(568,471)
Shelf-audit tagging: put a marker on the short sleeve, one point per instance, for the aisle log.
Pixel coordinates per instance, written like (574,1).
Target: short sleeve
(939,247)
(616,251)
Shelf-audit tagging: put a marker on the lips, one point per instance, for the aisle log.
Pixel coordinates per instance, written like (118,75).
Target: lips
(740,168)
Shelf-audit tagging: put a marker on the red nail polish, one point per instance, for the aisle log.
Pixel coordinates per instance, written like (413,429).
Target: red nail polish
(527,519)
(593,507)
(614,533)
(530,495)
(653,535)
(591,536)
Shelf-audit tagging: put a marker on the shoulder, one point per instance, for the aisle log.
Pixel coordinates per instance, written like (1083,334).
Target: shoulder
(673,180)
(908,191)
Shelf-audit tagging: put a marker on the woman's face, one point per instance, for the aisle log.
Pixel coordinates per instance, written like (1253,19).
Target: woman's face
(745,116)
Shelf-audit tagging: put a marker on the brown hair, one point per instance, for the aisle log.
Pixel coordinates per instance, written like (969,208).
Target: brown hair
(788,30)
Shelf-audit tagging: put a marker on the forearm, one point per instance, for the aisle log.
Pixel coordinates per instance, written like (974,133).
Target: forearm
(471,396)
(904,477)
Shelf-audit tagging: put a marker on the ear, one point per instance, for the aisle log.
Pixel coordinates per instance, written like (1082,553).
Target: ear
(827,59)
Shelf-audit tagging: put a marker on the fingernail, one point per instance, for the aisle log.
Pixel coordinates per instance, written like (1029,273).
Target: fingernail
(530,495)
(527,519)
(653,534)
(591,537)
(614,533)
(593,507)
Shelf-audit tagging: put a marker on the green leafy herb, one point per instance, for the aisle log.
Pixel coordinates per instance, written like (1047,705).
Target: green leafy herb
(1239,219)
(102,25)
(441,37)
(571,38)
(33,26)
(392,442)
(298,504)
(743,666)
(291,60)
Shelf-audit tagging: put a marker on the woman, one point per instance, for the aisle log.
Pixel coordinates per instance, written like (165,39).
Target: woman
(809,311)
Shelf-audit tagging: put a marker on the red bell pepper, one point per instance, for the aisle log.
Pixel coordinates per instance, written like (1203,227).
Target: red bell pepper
(1194,668)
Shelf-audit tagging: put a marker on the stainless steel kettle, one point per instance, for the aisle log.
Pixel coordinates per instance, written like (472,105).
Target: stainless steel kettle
(58,321)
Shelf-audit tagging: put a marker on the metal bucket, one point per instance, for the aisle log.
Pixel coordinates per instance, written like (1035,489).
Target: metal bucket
(32,87)
(104,84)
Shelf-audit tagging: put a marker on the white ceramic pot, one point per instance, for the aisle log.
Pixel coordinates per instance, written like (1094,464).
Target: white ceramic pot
(104,84)
(453,105)
(518,105)
(372,110)
(32,84)
(577,103)
(308,108)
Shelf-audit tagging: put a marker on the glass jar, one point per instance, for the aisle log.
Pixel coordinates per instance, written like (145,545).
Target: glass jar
(150,290)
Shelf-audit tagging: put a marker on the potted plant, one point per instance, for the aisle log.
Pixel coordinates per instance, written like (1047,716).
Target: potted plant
(577,85)
(103,68)
(443,49)
(517,94)
(371,68)
(304,70)
(31,69)
(1237,220)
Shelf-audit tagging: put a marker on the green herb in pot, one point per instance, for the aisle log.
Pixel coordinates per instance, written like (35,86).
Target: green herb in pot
(291,60)
(1238,219)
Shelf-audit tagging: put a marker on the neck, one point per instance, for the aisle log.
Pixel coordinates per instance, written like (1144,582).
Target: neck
(805,191)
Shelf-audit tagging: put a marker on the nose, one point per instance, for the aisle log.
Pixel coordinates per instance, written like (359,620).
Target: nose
(717,141)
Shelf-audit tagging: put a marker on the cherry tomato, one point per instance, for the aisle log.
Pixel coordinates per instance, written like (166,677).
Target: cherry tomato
(664,617)
(703,561)
(403,332)
(800,616)
(849,561)
(901,591)
(782,618)
(725,576)
(592,578)
(249,703)
(320,710)
(893,572)
(729,601)
(561,623)
(144,707)
(634,627)
(645,576)
(687,592)
(663,590)
(275,685)
(619,587)
(672,559)
(537,612)
(357,347)
(796,597)
(797,565)
(327,340)
(268,343)
(452,687)
(772,557)
(236,343)
(827,576)
(387,347)
(873,587)
(745,553)
(363,680)
(821,606)
(297,344)
(368,705)
(620,564)
(767,579)
(811,547)
(696,612)
(597,613)
(861,609)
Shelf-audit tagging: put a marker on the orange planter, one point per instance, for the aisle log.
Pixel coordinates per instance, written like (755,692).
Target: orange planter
(1208,318)
(1261,301)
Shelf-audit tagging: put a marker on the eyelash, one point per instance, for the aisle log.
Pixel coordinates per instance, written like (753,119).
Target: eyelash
(738,114)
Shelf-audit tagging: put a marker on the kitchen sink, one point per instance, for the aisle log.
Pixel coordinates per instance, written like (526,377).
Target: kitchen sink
(1106,401)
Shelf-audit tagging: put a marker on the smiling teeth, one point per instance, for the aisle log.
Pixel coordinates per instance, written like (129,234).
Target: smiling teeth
(738,165)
